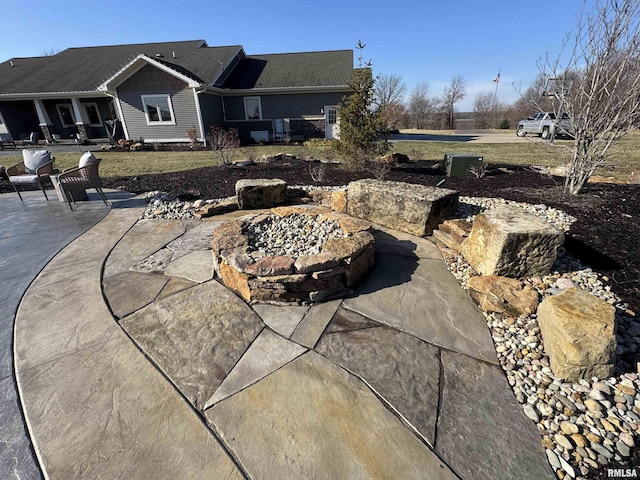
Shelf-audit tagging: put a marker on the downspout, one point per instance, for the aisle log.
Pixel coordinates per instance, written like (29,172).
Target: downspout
(224,110)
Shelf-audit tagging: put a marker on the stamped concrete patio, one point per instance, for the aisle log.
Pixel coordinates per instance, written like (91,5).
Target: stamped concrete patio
(132,361)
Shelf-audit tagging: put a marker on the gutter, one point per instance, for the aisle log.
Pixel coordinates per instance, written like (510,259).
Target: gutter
(45,95)
(218,90)
(276,90)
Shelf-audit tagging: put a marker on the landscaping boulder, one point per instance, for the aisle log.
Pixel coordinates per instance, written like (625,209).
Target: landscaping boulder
(260,193)
(511,242)
(393,158)
(578,333)
(503,295)
(414,209)
(213,209)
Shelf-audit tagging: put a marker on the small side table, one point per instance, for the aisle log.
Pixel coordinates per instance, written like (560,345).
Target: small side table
(77,194)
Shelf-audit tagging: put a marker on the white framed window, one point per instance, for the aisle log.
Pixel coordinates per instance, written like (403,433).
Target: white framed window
(93,114)
(65,112)
(158,109)
(252,108)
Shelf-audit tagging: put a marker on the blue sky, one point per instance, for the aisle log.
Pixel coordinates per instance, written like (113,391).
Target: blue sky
(430,41)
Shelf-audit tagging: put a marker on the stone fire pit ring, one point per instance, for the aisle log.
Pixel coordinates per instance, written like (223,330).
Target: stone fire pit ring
(339,264)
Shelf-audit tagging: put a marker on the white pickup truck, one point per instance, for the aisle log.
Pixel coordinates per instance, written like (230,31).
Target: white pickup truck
(545,125)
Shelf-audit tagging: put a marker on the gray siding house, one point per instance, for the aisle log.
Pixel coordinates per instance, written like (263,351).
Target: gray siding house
(157,91)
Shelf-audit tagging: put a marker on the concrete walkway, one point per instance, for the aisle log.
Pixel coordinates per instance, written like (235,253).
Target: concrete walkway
(133,362)
(31,233)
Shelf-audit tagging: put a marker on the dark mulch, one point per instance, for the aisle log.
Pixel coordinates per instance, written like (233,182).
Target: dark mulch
(605,235)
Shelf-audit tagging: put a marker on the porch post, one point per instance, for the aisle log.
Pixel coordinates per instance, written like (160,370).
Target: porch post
(81,121)
(44,120)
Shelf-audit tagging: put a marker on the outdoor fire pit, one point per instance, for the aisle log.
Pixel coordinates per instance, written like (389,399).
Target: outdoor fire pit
(293,254)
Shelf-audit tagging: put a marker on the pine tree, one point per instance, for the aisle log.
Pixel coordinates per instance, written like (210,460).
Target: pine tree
(363,135)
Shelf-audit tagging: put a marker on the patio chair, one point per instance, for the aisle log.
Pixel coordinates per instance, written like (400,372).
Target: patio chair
(35,168)
(31,139)
(6,140)
(84,176)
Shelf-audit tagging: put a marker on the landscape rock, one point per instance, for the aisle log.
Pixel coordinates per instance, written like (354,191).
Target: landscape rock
(578,333)
(235,280)
(212,209)
(260,193)
(320,197)
(511,242)
(359,266)
(293,210)
(339,201)
(410,208)
(275,265)
(393,158)
(315,263)
(351,224)
(349,246)
(503,295)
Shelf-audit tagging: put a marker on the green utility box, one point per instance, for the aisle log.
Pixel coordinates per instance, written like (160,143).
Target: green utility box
(463,164)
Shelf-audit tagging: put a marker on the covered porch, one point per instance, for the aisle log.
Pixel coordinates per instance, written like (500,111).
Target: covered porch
(63,119)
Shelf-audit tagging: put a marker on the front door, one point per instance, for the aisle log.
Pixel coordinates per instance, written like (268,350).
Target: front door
(331,122)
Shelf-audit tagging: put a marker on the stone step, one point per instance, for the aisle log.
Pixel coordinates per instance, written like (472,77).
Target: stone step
(458,227)
(447,239)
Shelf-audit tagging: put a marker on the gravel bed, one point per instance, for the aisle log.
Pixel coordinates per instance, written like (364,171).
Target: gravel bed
(293,235)
(586,426)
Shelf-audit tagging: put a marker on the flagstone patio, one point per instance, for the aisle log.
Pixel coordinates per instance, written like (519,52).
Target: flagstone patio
(400,380)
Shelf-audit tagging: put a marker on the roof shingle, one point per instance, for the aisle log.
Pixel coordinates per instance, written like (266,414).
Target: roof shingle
(307,69)
(84,69)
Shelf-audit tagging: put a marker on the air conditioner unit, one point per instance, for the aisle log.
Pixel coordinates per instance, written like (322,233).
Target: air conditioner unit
(462,164)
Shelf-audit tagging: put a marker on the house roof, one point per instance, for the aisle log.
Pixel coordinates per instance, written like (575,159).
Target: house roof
(84,69)
(306,69)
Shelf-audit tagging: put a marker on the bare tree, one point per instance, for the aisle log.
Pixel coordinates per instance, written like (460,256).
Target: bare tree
(483,108)
(599,84)
(389,89)
(393,115)
(421,105)
(452,94)
(388,97)
(224,143)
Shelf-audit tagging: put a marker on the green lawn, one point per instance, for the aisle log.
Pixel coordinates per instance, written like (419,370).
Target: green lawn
(624,156)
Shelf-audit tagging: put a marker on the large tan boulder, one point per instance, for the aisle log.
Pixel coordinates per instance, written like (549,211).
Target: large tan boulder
(414,209)
(578,333)
(503,295)
(511,242)
(260,193)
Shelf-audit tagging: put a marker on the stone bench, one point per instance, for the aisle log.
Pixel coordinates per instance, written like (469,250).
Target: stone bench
(511,242)
(414,209)
(260,193)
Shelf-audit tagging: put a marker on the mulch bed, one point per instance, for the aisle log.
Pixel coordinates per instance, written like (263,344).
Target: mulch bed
(605,236)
